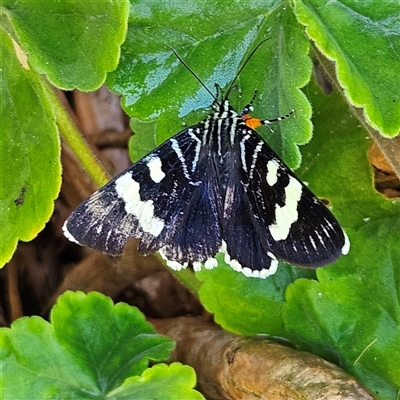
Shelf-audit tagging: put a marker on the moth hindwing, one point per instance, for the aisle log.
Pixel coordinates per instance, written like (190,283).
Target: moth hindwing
(213,187)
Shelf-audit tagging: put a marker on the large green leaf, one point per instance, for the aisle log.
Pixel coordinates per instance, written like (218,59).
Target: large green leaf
(29,153)
(75,43)
(91,349)
(155,86)
(352,315)
(363,39)
(117,343)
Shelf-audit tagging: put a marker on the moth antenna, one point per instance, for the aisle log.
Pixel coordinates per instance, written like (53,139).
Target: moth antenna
(231,86)
(193,73)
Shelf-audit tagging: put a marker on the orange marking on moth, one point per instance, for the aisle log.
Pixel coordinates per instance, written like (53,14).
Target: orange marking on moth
(251,122)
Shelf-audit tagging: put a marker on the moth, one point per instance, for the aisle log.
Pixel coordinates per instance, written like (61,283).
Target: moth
(213,187)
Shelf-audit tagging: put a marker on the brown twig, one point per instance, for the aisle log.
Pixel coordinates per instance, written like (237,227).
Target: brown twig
(234,367)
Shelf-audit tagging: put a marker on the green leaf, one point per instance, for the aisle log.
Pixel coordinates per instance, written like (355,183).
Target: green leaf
(155,86)
(352,315)
(29,153)
(90,348)
(336,166)
(247,306)
(178,378)
(107,348)
(148,133)
(363,39)
(75,43)
(34,365)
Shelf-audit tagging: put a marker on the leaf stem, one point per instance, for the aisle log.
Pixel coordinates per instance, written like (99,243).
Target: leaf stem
(74,139)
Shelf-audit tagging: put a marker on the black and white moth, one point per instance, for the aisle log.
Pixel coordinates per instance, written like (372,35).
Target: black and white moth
(213,187)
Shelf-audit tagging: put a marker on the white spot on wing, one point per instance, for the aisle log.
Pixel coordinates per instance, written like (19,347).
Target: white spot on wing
(154,165)
(272,269)
(222,249)
(346,246)
(197,150)
(175,265)
(325,231)
(243,151)
(68,235)
(175,146)
(286,215)
(197,266)
(248,272)
(128,190)
(206,129)
(233,131)
(211,263)
(321,239)
(313,243)
(255,157)
(219,136)
(235,265)
(272,174)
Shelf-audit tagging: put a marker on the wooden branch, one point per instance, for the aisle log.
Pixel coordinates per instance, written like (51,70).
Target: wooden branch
(229,366)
